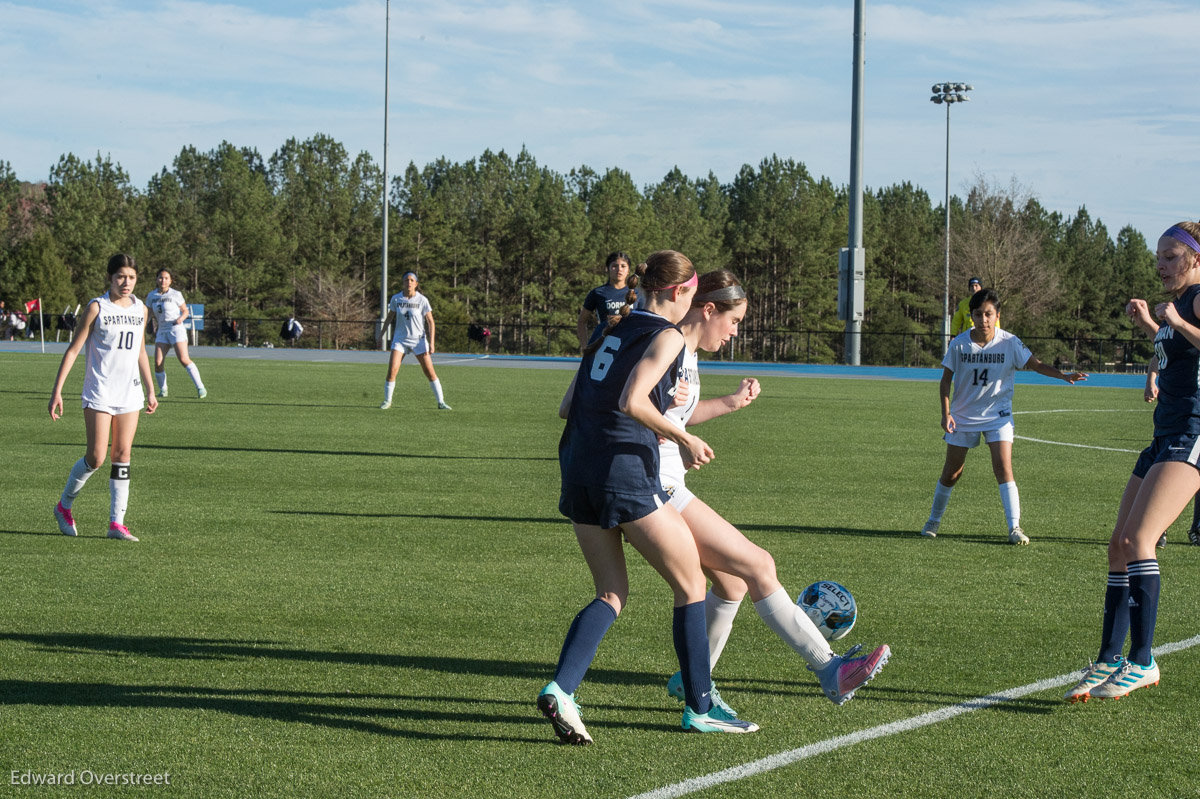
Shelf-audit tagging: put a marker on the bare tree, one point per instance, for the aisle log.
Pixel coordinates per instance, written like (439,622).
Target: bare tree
(993,241)
(338,303)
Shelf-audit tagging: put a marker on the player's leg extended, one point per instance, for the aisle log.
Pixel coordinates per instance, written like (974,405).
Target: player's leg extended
(124,427)
(389,386)
(1001,452)
(97,425)
(181,352)
(160,366)
(426,361)
(952,469)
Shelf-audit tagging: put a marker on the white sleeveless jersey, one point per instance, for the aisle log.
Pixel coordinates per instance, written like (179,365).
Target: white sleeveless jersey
(410,317)
(165,306)
(670,463)
(984,379)
(117,338)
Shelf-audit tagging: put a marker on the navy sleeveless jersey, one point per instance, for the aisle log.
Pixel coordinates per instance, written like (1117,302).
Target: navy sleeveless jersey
(605,301)
(1178,408)
(601,446)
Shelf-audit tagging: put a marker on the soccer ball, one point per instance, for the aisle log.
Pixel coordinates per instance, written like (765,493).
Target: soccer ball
(831,607)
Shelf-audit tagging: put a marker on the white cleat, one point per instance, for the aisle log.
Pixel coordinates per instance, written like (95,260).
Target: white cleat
(1017,536)
(930,529)
(120,532)
(66,522)
(385,405)
(444,407)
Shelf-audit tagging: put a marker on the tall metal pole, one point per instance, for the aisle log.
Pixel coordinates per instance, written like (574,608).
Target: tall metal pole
(855,244)
(946,277)
(383,279)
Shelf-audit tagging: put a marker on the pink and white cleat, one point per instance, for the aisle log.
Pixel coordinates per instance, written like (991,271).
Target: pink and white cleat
(120,531)
(845,674)
(66,522)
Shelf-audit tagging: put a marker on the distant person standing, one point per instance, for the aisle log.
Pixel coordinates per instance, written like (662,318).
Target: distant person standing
(606,301)
(413,316)
(961,322)
(170,311)
(118,372)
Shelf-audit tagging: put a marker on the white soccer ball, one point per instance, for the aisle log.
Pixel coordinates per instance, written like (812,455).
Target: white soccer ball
(830,606)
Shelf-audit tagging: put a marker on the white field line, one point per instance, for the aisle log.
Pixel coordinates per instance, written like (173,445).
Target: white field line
(1084,410)
(904,725)
(1081,446)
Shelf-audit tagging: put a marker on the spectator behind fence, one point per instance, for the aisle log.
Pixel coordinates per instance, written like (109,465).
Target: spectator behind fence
(291,330)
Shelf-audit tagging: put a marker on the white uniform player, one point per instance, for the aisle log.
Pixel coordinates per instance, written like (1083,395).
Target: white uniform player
(671,470)
(980,365)
(116,378)
(166,307)
(983,387)
(169,309)
(414,334)
(410,322)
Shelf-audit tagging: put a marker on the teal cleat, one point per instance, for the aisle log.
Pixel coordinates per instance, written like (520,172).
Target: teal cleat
(201,393)
(1126,679)
(563,712)
(715,720)
(675,689)
(1095,675)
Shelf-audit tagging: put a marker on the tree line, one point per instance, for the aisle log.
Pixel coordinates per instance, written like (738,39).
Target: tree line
(502,240)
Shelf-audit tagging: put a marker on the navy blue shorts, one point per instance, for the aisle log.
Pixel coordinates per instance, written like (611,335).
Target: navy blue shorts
(606,509)
(1180,447)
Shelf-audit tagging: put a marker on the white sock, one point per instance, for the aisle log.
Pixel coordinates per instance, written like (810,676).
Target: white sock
(161,379)
(436,385)
(118,489)
(195,375)
(718,620)
(80,473)
(1012,504)
(792,625)
(941,498)
(388,388)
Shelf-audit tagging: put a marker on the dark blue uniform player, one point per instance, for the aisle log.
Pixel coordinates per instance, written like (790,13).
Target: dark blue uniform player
(1164,479)
(610,487)
(604,302)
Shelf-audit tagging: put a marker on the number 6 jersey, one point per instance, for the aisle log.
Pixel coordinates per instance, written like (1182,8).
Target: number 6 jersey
(983,379)
(112,379)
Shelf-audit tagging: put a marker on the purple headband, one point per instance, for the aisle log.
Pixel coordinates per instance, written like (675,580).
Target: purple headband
(1181,235)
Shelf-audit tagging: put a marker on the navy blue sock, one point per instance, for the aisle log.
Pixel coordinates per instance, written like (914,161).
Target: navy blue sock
(1116,617)
(1144,584)
(691,647)
(579,648)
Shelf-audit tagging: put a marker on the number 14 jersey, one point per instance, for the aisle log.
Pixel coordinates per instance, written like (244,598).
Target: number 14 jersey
(117,336)
(983,379)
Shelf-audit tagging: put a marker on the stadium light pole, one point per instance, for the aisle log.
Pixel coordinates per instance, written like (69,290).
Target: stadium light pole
(852,258)
(383,279)
(948,94)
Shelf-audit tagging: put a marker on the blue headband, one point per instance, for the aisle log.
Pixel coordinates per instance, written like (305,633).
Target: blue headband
(1181,235)
(409,272)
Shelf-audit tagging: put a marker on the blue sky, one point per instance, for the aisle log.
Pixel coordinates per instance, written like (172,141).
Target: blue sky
(1090,103)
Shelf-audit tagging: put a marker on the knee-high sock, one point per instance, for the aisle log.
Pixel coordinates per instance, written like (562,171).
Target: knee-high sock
(691,647)
(388,388)
(583,638)
(194,373)
(941,498)
(161,379)
(1116,617)
(1144,585)
(718,619)
(79,475)
(795,627)
(436,385)
(1012,504)
(118,489)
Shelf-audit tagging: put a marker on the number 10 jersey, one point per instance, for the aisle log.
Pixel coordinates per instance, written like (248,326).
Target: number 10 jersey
(117,337)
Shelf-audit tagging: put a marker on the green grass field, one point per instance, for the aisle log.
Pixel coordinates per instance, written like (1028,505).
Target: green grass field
(330,600)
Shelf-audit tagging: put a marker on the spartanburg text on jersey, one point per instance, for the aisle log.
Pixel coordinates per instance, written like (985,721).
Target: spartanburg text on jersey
(112,379)
(983,379)
(600,446)
(1178,408)
(165,306)
(410,317)
(679,415)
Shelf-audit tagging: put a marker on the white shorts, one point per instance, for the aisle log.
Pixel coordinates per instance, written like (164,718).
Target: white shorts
(171,334)
(419,348)
(671,475)
(970,438)
(112,410)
